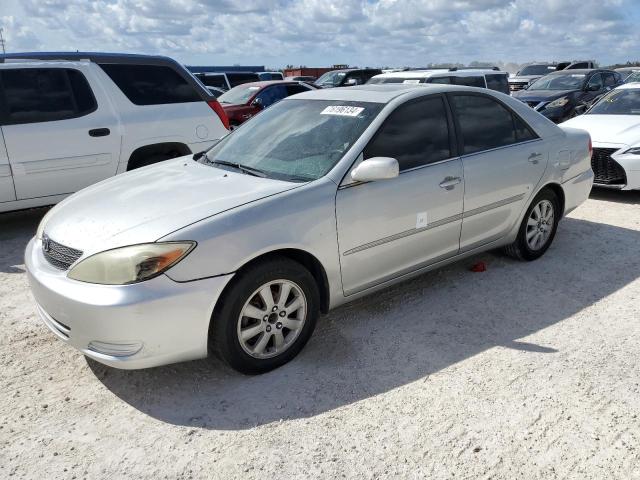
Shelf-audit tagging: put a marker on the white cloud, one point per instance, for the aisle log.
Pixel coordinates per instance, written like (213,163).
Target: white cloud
(321,32)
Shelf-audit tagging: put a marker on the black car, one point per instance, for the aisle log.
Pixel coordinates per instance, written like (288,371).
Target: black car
(347,77)
(562,95)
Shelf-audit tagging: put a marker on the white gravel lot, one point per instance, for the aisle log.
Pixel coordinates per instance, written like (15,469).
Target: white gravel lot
(528,370)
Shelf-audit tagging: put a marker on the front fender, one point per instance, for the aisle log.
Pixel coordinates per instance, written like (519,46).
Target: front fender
(302,219)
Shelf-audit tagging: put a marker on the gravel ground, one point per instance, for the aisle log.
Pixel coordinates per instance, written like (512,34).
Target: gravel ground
(527,370)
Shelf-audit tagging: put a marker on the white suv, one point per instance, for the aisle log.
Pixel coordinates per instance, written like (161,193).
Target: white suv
(70,120)
(492,79)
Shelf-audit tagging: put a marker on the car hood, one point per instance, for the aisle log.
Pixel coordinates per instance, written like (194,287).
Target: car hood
(541,95)
(622,129)
(147,204)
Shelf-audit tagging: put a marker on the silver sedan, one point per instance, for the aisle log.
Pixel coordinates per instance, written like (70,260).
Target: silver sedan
(323,198)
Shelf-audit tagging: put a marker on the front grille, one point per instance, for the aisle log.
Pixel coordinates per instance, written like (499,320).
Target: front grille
(606,170)
(59,255)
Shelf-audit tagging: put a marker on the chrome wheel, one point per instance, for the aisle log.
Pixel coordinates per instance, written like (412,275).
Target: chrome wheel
(272,319)
(540,225)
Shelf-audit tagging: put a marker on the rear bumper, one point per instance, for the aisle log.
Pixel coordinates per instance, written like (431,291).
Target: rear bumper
(576,190)
(142,325)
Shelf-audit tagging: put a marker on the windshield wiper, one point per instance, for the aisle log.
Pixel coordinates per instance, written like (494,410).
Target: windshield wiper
(243,168)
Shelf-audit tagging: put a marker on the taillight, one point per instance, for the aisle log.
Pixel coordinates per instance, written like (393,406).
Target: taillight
(590,147)
(216,107)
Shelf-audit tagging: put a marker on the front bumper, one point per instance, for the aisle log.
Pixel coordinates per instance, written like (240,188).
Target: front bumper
(629,163)
(142,325)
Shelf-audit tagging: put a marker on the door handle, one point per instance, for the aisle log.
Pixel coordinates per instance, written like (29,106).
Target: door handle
(533,158)
(449,182)
(99,132)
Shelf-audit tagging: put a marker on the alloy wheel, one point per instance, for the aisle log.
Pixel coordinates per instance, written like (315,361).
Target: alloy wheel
(271,319)
(540,225)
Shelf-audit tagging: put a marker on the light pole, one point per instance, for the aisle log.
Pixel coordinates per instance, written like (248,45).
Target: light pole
(2,41)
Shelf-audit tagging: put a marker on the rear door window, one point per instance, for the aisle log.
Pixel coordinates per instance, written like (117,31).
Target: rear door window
(238,78)
(151,84)
(271,95)
(476,81)
(293,89)
(214,81)
(441,80)
(416,133)
(33,95)
(498,82)
(485,123)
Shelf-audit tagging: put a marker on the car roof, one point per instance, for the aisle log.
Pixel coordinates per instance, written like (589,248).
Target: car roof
(438,71)
(380,92)
(266,83)
(97,57)
(579,71)
(628,86)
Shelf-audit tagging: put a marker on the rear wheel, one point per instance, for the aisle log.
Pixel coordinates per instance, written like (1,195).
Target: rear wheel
(266,316)
(538,228)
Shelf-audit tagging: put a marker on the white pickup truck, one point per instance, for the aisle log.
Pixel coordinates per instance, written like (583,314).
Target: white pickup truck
(73,119)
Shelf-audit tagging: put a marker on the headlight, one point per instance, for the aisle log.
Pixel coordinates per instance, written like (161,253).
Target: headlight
(559,102)
(132,264)
(633,151)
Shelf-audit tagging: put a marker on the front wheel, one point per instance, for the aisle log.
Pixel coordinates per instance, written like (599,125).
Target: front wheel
(266,316)
(538,228)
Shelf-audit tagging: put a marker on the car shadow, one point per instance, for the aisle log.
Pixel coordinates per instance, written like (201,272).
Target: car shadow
(398,336)
(631,197)
(16,228)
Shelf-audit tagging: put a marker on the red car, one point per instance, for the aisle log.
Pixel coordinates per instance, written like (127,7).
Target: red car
(246,100)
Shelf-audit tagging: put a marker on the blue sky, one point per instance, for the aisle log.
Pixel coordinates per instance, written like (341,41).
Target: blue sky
(323,32)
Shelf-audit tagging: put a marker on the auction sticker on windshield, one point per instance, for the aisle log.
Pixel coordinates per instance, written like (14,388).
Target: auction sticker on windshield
(343,110)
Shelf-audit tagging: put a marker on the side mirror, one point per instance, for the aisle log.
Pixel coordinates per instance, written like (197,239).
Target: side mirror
(593,88)
(257,102)
(351,82)
(376,168)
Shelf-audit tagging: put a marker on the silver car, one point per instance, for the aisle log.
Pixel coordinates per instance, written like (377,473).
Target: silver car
(323,198)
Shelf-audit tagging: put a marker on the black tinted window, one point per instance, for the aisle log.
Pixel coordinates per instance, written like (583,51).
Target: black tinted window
(485,123)
(498,82)
(415,134)
(523,132)
(214,81)
(151,84)
(271,95)
(238,78)
(442,80)
(609,79)
(45,94)
(293,89)
(470,81)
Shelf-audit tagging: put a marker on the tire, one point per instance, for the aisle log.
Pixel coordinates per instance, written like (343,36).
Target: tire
(263,337)
(523,249)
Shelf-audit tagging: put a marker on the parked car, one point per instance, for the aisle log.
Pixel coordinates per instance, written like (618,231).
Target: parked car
(347,77)
(68,120)
(483,78)
(562,95)
(270,76)
(303,78)
(244,101)
(321,199)
(634,77)
(626,71)
(226,80)
(530,73)
(614,125)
